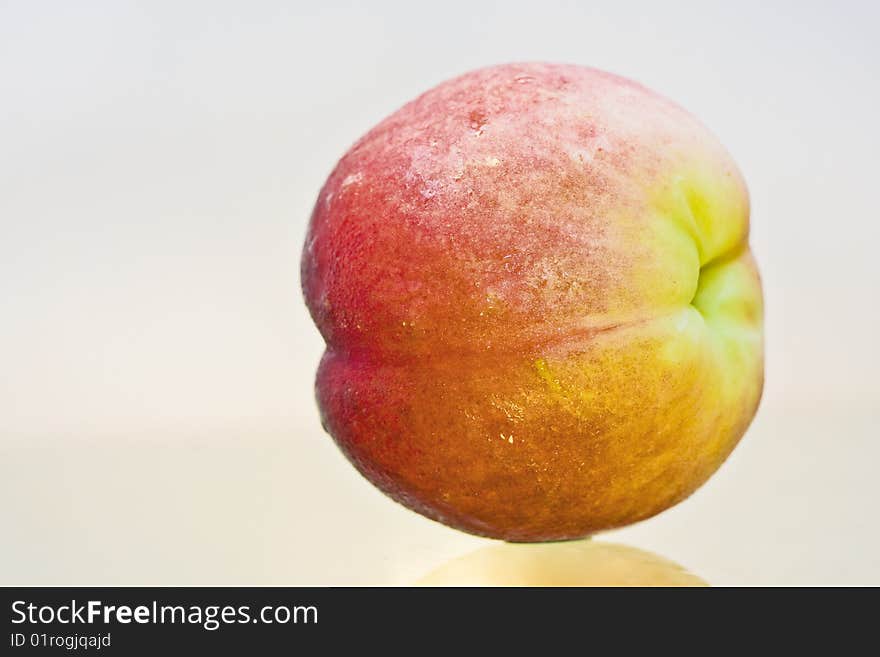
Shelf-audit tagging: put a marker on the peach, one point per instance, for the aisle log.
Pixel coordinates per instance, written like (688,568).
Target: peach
(541,312)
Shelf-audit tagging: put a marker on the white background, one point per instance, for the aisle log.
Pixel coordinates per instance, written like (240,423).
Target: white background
(158,162)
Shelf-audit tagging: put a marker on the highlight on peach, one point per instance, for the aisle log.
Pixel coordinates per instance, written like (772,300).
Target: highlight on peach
(541,313)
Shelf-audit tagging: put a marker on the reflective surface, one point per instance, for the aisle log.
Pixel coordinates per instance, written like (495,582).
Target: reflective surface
(573,563)
(793,505)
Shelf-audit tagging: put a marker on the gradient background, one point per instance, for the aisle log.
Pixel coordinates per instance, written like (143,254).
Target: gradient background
(158,163)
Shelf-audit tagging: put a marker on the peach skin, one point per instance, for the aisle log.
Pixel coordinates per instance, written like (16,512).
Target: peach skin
(541,313)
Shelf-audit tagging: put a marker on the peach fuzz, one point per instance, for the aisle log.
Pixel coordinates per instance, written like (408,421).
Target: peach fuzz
(541,313)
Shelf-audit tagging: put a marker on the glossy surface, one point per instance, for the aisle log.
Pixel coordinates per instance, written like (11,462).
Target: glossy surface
(541,313)
(249,506)
(568,563)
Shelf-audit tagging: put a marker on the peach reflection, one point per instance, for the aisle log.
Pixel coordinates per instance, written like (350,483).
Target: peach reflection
(569,563)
